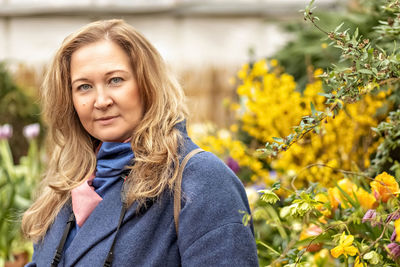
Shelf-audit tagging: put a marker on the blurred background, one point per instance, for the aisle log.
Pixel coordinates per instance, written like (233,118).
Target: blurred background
(205,42)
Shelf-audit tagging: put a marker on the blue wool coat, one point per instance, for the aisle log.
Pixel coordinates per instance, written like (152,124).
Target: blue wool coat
(211,232)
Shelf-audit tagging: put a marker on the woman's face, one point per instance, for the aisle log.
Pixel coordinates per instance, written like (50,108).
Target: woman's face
(104,91)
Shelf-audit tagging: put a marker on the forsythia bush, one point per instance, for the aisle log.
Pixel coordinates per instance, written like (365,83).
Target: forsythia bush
(269,105)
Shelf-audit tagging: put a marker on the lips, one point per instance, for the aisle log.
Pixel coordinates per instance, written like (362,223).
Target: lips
(106,120)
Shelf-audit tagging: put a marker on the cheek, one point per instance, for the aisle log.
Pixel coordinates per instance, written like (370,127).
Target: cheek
(81,108)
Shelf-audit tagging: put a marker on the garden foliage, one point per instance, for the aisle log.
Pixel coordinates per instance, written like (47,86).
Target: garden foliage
(17,182)
(328,153)
(18,107)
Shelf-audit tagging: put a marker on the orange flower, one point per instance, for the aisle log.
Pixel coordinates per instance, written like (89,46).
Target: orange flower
(312,231)
(384,187)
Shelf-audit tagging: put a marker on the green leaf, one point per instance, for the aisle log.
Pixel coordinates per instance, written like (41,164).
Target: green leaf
(313,111)
(338,27)
(278,139)
(348,198)
(269,196)
(355,33)
(372,257)
(366,71)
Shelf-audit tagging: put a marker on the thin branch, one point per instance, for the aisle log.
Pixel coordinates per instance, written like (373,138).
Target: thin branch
(327,166)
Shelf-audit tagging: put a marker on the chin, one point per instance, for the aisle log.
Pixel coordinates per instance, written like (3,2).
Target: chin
(103,138)
(113,138)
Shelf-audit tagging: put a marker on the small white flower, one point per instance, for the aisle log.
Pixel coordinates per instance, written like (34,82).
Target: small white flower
(31,131)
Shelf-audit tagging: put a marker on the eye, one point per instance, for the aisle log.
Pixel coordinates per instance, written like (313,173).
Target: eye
(84,87)
(115,80)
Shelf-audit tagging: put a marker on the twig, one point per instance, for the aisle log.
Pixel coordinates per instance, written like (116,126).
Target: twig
(324,165)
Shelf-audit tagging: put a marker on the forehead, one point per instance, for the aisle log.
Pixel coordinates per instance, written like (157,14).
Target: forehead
(99,57)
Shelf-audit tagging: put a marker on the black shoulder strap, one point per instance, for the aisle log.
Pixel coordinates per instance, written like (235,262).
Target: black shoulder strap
(60,248)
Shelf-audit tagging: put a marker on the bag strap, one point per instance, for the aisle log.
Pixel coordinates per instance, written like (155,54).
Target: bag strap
(58,254)
(178,186)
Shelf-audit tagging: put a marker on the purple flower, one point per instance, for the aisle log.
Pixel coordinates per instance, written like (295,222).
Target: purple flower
(394,250)
(6,131)
(233,165)
(393,237)
(370,216)
(393,216)
(31,131)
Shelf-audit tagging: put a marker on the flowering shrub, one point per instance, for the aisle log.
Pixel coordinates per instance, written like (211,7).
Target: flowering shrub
(330,219)
(269,104)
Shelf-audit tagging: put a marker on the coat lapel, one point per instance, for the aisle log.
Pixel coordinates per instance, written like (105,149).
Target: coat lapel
(45,250)
(101,223)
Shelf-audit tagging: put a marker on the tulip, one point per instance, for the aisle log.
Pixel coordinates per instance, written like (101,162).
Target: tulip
(31,131)
(6,131)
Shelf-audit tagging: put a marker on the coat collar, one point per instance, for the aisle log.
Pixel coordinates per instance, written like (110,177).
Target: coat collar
(101,223)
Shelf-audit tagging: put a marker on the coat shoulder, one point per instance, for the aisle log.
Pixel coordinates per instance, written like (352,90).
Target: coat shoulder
(214,203)
(207,170)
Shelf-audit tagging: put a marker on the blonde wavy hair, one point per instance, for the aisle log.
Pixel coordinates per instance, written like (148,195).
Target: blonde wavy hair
(155,140)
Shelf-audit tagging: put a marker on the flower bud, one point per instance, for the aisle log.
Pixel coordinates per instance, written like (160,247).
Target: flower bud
(370,216)
(31,131)
(6,131)
(393,216)
(233,165)
(394,236)
(394,250)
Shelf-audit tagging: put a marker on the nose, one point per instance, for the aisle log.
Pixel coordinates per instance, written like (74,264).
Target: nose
(103,100)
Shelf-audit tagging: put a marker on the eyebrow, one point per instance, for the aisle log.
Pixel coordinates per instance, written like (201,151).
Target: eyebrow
(107,74)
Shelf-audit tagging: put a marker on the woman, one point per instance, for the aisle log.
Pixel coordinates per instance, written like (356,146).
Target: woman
(117,136)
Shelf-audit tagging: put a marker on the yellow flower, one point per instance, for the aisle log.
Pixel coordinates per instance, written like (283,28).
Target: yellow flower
(260,68)
(345,246)
(366,200)
(385,186)
(318,72)
(274,62)
(336,197)
(397,229)
(358,263)
(321,207)
(347,186)
(234,128)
